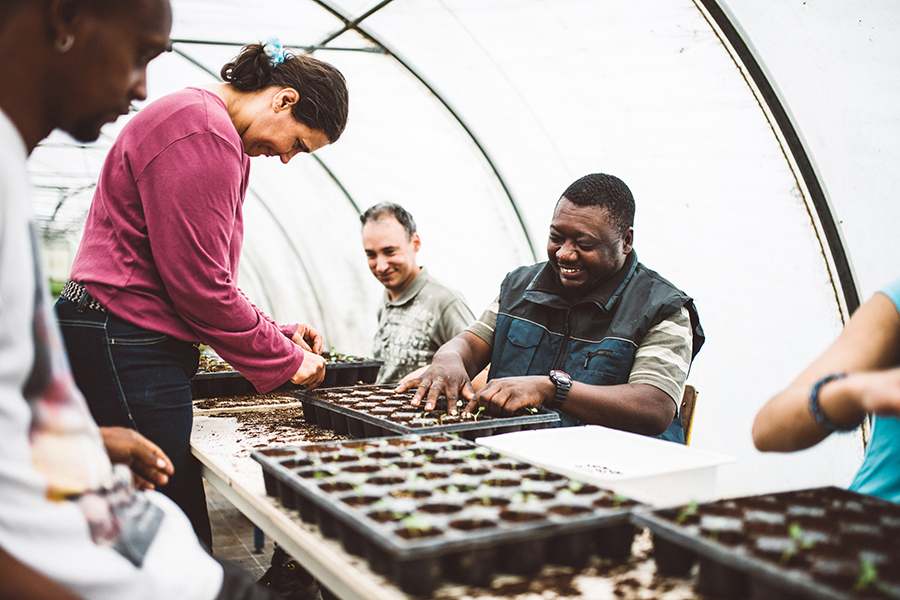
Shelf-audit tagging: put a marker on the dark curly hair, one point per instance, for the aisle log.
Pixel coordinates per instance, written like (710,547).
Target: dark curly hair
(323,93)
(605,191)
(389,209)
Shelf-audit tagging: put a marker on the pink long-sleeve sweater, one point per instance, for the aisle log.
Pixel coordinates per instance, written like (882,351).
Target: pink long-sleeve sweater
(163,236)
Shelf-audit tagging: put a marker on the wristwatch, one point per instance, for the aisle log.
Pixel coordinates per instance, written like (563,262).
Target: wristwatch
(563,382)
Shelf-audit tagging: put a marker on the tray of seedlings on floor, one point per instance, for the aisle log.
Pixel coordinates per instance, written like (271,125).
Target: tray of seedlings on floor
(375,410)
(423,508)
(824,543)
(216,378)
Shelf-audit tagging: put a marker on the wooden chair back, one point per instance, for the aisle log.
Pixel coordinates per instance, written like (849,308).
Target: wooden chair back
(688,403)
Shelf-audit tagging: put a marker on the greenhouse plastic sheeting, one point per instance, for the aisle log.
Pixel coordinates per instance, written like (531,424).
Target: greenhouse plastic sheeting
(476,115)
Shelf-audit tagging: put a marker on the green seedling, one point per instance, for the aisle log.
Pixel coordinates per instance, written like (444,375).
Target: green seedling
(416,525)
(618,500)
(798,542)
(531,411)
(528,497)
(868,575)
(795,532)
(689,510)
(480,410)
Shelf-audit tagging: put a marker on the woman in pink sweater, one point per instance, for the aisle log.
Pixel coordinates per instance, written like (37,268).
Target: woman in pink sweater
(157,269)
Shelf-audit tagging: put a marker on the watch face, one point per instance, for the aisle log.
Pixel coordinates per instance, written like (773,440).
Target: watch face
(560,377)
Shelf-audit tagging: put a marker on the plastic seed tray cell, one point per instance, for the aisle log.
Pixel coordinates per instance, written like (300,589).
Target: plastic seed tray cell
(228,382)
(422,508)
(824,543)
(375,411)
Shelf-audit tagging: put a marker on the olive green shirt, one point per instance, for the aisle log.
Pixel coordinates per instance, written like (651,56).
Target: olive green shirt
(411,328)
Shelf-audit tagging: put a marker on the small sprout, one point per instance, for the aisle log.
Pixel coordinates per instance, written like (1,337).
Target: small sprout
(480,410)
(689,510)
(320,474)
(618,499)
(797,541)
(416,525)
(531,411)
(452,489)
(575,486)
(795,532)
(868,575)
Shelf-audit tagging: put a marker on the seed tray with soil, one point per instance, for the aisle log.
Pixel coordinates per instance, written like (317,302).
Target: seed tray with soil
(823,543)
(215,378)
(423,508)
(376,411)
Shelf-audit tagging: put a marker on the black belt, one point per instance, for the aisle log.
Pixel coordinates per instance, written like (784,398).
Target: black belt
(75,292)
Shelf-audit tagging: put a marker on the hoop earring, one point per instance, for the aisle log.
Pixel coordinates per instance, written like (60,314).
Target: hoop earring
(65,45)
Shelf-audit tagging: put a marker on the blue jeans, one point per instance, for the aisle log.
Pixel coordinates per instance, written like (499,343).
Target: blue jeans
(136,378)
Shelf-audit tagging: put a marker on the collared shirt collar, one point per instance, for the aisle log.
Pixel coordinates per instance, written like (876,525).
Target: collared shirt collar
(545,288)
(412,290)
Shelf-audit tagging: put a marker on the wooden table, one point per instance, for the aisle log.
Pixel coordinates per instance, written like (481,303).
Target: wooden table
(222,440)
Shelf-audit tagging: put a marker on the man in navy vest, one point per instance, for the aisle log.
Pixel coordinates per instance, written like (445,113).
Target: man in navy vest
(592,333)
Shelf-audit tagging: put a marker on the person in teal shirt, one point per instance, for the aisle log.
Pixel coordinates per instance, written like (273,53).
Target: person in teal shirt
(858,375)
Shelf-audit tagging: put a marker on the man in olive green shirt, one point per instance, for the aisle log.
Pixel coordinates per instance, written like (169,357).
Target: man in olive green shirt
(418,314)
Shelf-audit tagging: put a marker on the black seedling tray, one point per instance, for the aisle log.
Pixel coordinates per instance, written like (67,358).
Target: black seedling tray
(366,411)
(231,383)
(824,543)
(421,508)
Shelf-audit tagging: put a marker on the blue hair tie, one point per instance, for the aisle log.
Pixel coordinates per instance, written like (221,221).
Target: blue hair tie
(275,51)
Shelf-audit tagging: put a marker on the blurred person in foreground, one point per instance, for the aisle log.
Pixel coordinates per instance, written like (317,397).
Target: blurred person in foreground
(72,524)
(856,376)
(418,314)
(157,269)
(592,333)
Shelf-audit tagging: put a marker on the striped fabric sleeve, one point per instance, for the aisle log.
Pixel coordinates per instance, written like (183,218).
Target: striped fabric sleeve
(664,356)
(484,326)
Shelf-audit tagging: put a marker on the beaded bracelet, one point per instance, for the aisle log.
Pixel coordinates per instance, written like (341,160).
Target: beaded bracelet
(816,410)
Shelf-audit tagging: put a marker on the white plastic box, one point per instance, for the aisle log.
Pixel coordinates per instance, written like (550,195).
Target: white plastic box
(642,468)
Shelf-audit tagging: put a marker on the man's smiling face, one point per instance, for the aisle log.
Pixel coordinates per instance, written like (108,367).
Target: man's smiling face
(585,248)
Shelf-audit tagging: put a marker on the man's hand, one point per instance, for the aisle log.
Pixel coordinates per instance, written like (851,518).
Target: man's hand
(311,371)
(149,464)
(449,372)
(444,376)
(309,339)
(503,397)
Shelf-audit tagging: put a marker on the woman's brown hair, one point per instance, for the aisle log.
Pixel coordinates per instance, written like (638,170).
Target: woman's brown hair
(323,102)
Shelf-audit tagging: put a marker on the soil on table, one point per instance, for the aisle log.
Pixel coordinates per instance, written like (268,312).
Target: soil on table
(226,402)
(272,426)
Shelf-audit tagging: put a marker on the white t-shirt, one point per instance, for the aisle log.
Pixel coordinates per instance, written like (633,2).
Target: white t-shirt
(55,538)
